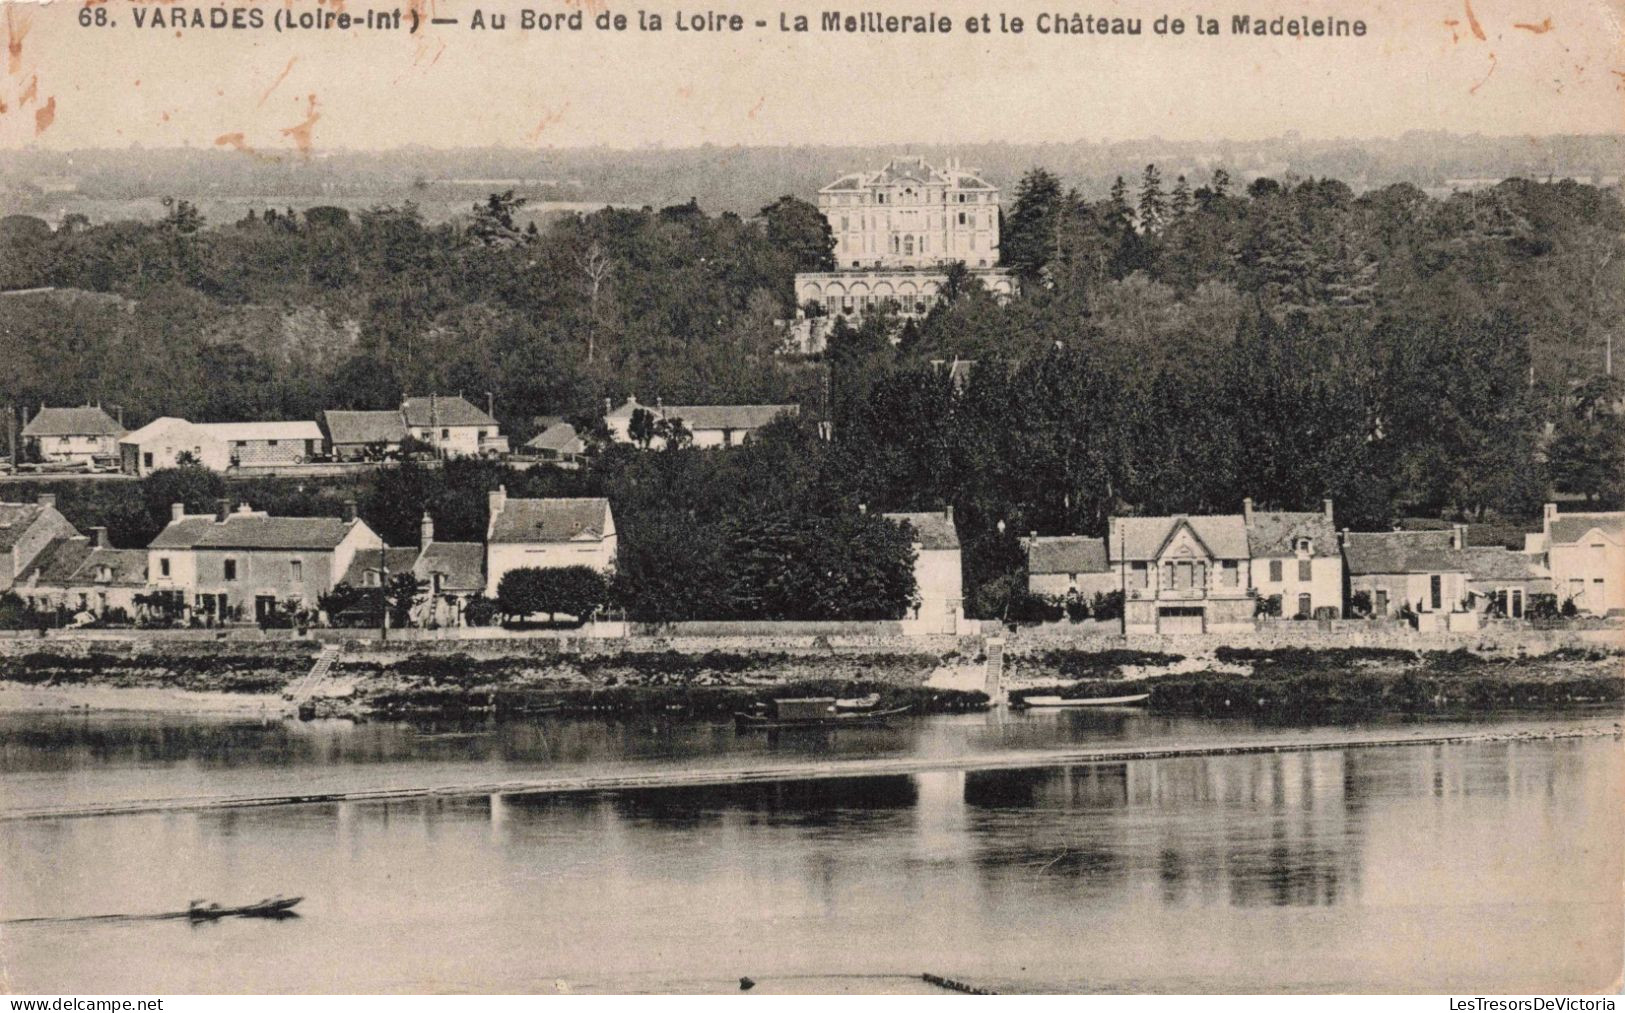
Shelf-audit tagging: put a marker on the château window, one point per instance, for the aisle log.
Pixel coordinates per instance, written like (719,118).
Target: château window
(1275,571)
(230,568)
(1305,571)
(163,567)
(296,570)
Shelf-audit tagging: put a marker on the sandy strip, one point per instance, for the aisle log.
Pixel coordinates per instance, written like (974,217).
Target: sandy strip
(17,698)
(1312,742)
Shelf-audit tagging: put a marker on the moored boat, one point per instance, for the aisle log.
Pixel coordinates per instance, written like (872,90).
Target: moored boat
(810,712)
(1081,701)
(270,907)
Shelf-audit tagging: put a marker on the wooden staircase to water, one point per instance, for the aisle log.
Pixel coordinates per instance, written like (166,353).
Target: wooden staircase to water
(301,690)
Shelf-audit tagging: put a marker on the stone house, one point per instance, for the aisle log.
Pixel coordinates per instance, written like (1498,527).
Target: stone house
(1065,566)
(452,426)
(545,534)
(86,435)
(244,563)
(26,530)
(452,572)
(709,425)
(1183,574)
(558,444)
(1423,569)
(1585,555)
(85,574)
(1296,556)
(938,571)
(266,444)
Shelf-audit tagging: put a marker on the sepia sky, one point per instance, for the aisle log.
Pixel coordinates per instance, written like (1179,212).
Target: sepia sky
(1488,66)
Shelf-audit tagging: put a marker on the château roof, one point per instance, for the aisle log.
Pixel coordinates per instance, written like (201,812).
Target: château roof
(86,421)
(1067,554)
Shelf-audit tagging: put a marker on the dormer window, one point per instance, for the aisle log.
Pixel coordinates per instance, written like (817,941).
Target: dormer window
(1303,545)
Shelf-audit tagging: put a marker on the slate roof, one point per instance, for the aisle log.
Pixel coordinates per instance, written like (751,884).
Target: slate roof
(153,429)
(1067,554)
(444,411)
(1275,533)
(1371,552)
(560,438)
(58,561)
(729,416)
(462,563)
(253,531)
(933,530)
(1498,563)
(712,416)
(1568,529)
(258,431)
(364,427)
(550,520)
(86,421)
(15,520)
(401,560)
(1141,538)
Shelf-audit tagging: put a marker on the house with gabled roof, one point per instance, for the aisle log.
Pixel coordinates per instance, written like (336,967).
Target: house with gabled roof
(546,534)
(558,443)
(165,442)
(452,426)
(1296,557)
(1585,554)
(452,573)
(26,530)
(84,435)
(85,574)
(242,563)
(1183,574)
(363,435)
(1424,570)
(939,576)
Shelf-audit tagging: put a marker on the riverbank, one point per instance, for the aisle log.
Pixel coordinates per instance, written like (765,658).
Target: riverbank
(533,677)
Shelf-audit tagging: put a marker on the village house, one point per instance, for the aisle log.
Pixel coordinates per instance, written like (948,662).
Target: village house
(26,529)
(1296,557)
(363,435)
(1421,572)
(938,571)
(452,573)
(1183,574)
(558,443)
(546,534)
(242,564)
(85,575)
(708,425)
(1585,555)
(163,442)
(1069,566)
(452,426)
(86,435)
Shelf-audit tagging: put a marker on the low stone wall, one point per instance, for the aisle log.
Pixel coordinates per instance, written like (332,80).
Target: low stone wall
(1346,633)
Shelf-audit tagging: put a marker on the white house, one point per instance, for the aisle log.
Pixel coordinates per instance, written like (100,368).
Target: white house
(1296,556)
(1585,553)
(161,443)
(452,426)
(938,571)
(1063,566)
(547,534)
(73,435)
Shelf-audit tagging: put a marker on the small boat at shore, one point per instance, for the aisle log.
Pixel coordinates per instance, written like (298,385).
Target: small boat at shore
(270,907)
(858,703)
(810,712)
(1081,701)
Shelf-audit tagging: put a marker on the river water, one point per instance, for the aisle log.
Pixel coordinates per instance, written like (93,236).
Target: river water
(1490,866)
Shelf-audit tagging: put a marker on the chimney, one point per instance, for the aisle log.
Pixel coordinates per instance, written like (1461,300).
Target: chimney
(948,513)
(863,508)
(177,511)
(426,530)
(1458,536)
(349,510)
(98,538)
(498,499)
(609,406)
(1326,505)
(1550,513)
(222,510)
(47,500)
(1247,508)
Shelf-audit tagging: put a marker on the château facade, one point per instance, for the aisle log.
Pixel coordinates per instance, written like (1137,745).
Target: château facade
(896,231)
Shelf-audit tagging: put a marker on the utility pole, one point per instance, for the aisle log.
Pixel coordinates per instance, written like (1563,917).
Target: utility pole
(383,592)
(1122,573)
